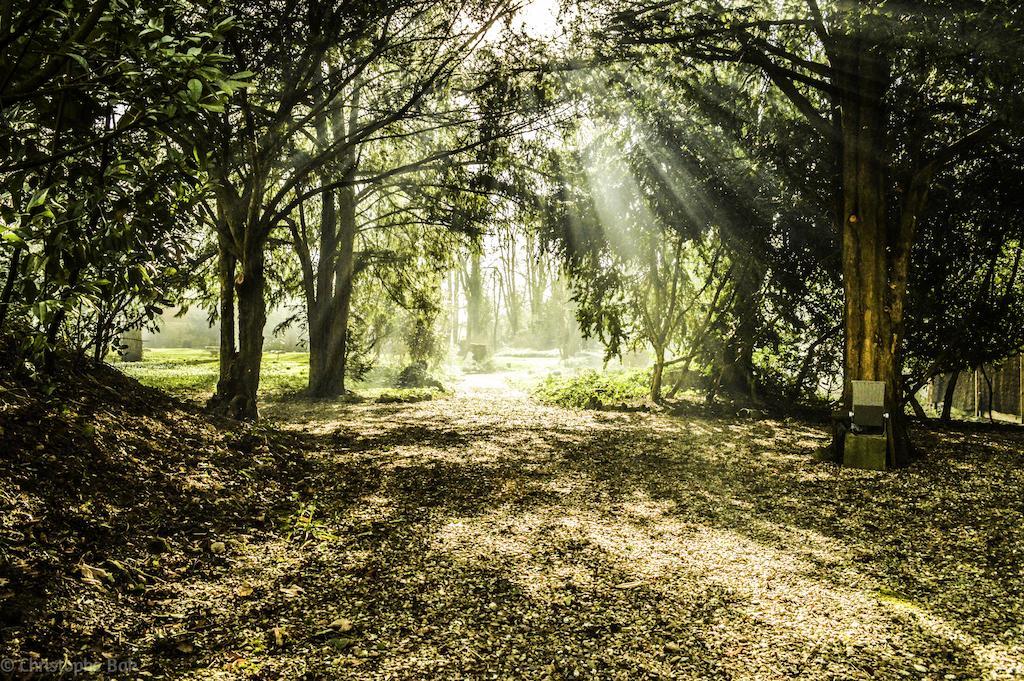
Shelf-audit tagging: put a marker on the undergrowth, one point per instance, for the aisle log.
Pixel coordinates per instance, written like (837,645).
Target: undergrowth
(590,389)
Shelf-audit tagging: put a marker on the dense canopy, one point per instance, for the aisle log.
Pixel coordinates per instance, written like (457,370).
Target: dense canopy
(797,210)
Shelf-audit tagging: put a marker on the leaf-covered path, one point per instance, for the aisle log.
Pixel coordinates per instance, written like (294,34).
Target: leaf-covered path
(483,535)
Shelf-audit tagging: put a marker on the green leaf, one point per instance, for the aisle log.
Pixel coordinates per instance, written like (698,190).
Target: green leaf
(80,59)
(38,199)
(195,89)
(13,237)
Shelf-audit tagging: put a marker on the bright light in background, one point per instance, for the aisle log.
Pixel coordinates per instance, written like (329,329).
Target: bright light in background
(539,18)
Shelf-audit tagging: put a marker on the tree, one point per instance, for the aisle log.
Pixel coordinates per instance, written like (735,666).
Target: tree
(247,148)
(966,303)
(888,88)
(97,198)
(400,116)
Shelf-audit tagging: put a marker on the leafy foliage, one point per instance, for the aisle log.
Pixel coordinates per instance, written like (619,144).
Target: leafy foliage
(591,389)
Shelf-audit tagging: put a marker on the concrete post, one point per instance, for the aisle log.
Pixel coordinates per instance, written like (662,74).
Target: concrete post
(131,343)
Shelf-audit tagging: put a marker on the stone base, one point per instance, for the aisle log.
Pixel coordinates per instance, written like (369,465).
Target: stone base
(865,451)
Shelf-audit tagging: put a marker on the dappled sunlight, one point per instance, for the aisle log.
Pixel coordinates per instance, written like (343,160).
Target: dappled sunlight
(501,339)
(478,534)
(773,602)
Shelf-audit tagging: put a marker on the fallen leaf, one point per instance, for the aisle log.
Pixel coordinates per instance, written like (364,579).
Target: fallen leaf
(341,624)
(278,636)
(340,643)
(629,585)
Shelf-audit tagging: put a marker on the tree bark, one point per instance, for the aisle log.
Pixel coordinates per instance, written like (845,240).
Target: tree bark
(657,374)
(874,272)
(947,398)
(252,318)
(474,284)
(242,298)
(226,274)
(328,312)
(319,301)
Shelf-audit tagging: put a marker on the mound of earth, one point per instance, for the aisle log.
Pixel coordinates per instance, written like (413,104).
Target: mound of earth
(110,491)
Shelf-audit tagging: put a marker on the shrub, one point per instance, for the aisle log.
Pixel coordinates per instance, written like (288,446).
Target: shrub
(592,389)
(417,376)
(407,395)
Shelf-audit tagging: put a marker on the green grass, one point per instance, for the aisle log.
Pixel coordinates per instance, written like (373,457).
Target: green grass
(192,373)
(592,389)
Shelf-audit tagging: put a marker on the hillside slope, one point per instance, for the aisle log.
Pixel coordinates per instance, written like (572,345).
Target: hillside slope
(108,491)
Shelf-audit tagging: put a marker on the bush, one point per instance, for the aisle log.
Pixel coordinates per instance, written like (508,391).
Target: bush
(591,389)
(417,376)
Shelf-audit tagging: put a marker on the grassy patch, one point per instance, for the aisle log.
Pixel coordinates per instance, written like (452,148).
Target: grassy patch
(185,372)
(192,372)
(592,389)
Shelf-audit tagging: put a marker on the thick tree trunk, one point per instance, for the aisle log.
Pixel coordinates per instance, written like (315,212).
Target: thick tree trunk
(327,343)
(329,316)
(947,398)
(240,369)
(327,378)
(226,274)
(874,276)
(320,301)
(252,318)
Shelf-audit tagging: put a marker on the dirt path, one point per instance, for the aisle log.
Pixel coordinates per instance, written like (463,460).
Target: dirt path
(486,536)
(489,537)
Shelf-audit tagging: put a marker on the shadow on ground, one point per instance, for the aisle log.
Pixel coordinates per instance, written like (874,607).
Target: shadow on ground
(484,536)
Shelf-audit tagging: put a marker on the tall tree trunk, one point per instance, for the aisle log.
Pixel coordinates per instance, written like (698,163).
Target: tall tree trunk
(228,378)
(320,300)
(474,284)
(947,398)
(874,276)
(329,316)
(226,275)
(242,281)
(329,313)
(343,286)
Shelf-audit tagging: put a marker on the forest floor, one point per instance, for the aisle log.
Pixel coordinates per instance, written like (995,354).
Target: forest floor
(483,535)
